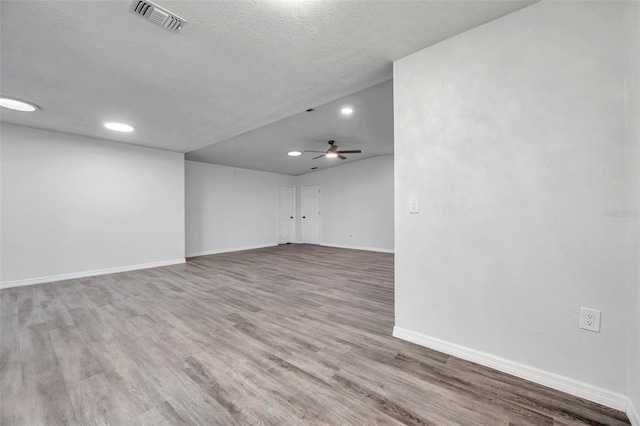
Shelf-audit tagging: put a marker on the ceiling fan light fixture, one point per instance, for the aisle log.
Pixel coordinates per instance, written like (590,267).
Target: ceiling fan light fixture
(294,153)
(18,105)
(332,155)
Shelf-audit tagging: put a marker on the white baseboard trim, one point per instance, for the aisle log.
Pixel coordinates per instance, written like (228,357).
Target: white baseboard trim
(632,413)
(555,381)
(381,250)
(229,250)
(84,274)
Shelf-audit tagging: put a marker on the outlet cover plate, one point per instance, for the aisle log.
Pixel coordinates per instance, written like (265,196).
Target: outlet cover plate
(590,319)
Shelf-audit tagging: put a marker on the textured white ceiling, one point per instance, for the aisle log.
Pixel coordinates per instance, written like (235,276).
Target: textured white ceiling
(236,66)
(369,128)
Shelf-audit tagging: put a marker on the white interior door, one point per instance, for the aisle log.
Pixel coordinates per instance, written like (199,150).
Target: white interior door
(311,214)
(286,221)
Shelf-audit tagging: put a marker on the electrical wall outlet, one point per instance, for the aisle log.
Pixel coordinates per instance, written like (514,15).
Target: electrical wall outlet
(590,319)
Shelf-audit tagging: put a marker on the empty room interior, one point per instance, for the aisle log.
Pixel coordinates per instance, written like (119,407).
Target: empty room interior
(290,212)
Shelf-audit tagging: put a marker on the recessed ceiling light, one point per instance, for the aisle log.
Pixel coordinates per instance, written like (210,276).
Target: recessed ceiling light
(18,105)
(346,111)
(294,153)
(118,127)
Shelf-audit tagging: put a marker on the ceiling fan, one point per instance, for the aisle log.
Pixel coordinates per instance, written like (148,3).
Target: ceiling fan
(333,152)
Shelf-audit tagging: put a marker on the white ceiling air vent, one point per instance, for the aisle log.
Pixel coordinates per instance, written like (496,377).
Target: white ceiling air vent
(157,15)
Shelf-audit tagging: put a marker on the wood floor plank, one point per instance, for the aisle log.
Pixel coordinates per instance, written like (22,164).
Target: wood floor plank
(76,362)
(96,402)
(294,334)
(161,415)
(235,393)
(124,374)
(44,395)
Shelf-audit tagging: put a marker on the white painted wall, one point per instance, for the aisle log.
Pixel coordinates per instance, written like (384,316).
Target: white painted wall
(229,208)
(73,205)
(511,135)
(233,209)
(356,204)
(632,116)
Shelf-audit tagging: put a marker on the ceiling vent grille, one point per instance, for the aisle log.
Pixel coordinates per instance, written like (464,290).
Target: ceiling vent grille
(157,15)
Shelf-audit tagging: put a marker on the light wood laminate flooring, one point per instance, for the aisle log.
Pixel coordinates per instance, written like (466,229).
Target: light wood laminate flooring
(290,335)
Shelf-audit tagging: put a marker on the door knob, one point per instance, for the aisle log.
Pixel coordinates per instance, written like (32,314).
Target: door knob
(291,217)
(304,217)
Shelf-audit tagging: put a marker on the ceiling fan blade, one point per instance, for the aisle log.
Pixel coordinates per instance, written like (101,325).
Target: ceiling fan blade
(319,156)
(353,151)
(342,157)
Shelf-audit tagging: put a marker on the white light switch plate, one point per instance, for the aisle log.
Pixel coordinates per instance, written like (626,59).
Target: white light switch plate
(414,205)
